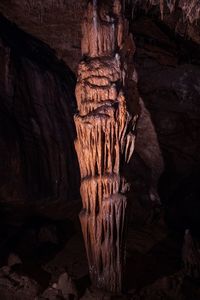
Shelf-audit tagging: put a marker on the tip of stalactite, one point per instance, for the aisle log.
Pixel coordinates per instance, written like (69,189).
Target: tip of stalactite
(190,8)
(162,9)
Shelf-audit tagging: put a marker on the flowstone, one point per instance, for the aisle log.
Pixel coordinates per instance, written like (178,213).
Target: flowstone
(105,138)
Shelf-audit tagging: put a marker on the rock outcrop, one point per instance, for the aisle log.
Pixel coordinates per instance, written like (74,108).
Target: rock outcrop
(16,287)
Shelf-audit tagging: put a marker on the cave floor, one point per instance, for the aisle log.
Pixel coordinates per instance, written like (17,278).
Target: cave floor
(50,244)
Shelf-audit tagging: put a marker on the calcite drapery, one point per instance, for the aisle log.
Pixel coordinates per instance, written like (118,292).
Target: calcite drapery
(190,9)
(105,138)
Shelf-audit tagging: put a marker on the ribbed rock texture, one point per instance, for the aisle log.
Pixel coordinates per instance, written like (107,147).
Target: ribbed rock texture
(38,159)
(190,9)
(40,18)
(105,138)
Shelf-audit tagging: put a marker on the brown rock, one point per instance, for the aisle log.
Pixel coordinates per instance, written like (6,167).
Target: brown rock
(16,287)
(105,139)
(67,286)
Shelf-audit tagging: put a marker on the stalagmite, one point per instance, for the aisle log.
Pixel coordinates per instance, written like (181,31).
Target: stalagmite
(105,138)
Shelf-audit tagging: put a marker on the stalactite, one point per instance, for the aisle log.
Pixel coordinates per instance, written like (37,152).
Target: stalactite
(105,137)
(190,8)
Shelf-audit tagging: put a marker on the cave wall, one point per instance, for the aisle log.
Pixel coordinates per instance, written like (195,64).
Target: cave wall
(167,62)
(37,129)
(56,22)
(168,70)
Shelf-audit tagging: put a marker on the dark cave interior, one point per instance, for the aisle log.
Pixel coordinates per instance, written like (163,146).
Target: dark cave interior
(41,245)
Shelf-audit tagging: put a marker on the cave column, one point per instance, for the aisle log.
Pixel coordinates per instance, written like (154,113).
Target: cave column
(105,139)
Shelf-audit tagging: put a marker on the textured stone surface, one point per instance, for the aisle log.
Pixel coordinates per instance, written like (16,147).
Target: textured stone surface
(168,131)
(16,287)
(63,33)
(105,139)
(37,132)
(169,84)
(171,61)
(169,287)
(50,294)
(58,23)
(67,286)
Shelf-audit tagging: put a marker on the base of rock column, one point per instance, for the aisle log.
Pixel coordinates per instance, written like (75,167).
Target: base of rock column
(104,236)
(105,139)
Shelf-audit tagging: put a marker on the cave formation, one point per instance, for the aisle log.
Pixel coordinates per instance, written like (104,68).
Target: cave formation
(73,107)
(105,137)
